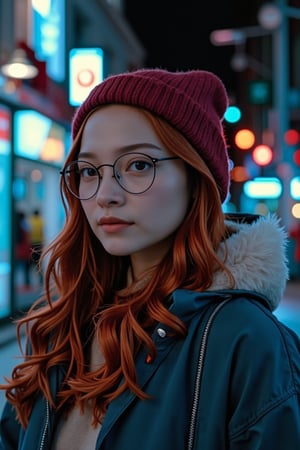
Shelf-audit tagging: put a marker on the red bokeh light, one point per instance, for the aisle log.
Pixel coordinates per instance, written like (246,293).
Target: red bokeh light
(296,157)
(292,137)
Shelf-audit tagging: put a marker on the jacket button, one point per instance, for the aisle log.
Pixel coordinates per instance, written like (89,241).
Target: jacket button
(161,332)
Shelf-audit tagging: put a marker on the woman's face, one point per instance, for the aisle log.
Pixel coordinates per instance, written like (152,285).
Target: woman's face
(138,225)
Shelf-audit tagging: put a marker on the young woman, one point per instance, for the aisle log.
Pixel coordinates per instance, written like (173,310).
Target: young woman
(157,332)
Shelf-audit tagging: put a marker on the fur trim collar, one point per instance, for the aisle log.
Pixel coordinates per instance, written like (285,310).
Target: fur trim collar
(256,257)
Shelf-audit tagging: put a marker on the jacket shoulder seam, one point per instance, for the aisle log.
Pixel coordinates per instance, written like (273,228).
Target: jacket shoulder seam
(270,406)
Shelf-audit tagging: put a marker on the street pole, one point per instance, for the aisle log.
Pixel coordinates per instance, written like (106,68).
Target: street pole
(281,94)
(280,48)
(274,19)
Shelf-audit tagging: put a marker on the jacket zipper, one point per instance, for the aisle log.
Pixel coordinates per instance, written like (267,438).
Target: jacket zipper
(199,371)
(196,396)
(46,425)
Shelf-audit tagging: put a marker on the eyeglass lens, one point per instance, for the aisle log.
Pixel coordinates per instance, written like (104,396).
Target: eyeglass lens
(134,172)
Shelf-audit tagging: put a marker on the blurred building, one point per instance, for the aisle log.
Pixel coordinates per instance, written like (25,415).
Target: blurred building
(264,142)
(67,47)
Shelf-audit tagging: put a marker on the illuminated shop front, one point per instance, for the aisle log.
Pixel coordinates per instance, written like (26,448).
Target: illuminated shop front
(5,204)
(39,149)
(32,152)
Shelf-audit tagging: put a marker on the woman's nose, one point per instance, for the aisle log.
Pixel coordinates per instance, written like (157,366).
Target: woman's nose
(109,190)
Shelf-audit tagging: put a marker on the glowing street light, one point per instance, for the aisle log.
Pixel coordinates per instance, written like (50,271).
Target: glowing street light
(273,20)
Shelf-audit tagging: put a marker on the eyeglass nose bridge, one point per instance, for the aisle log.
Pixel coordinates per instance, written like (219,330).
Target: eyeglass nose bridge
(107,165)
(100,176)
(118,176)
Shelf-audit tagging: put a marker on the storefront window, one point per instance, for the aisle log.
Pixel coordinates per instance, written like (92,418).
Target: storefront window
(39,149)
(5,217)
(39,138)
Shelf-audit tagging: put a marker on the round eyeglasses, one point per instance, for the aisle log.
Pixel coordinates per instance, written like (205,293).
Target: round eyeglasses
(134,172)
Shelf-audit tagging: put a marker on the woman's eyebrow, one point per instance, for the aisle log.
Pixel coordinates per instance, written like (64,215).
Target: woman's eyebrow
(139,145)
(125,148)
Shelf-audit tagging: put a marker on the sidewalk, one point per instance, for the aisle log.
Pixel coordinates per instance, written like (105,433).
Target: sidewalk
(24,298)
(292,293)
(288,311)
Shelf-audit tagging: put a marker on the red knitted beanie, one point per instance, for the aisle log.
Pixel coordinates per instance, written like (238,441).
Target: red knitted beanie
(193,102)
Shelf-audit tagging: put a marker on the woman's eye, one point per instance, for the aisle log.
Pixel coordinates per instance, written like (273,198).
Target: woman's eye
(86,172)
(139,165)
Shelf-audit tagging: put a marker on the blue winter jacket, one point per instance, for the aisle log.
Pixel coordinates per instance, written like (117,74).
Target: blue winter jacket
(233,383)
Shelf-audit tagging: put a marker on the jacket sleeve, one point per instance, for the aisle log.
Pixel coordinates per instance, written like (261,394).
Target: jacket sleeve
(9,429)
(250,394)
(265,400)
(278,429)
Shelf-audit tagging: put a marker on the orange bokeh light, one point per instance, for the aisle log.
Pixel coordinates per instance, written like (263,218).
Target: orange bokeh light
(244,139)
(239,174)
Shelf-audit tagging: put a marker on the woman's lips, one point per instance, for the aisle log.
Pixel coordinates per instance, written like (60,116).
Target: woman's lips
(113,224)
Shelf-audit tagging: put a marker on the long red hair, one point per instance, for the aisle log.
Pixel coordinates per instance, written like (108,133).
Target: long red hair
(85,296)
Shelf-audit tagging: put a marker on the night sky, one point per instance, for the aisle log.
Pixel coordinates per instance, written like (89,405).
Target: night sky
(175,34)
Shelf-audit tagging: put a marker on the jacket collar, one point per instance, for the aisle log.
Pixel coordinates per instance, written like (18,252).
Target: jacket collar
(256,258)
